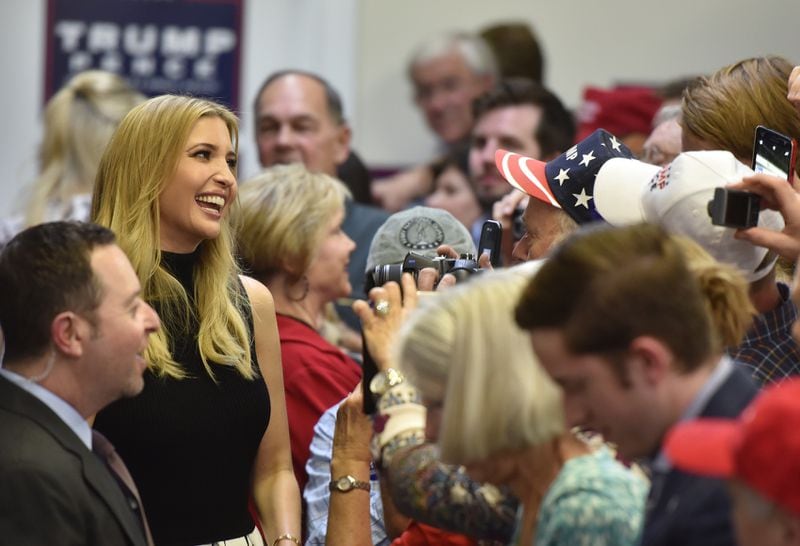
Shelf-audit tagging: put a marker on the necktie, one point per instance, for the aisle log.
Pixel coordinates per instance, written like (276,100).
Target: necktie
(103,448)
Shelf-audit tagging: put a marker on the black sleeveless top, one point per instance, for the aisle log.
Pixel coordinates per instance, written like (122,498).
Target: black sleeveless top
(190,444)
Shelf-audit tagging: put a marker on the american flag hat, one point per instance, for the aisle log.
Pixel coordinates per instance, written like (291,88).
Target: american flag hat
(566,182)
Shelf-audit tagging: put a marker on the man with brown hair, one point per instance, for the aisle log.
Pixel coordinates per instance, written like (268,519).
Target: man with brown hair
(618,320)
(75,330)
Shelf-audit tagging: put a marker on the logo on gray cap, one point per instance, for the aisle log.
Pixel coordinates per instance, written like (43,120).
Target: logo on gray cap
(421,233)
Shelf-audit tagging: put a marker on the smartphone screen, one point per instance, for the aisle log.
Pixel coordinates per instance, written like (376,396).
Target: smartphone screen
(773,153)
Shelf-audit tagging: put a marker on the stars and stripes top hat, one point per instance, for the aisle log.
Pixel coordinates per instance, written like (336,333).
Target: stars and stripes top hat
(566,182)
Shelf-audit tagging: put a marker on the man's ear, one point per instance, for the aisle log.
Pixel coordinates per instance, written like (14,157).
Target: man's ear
(68,333)
(345,134)
(654,357)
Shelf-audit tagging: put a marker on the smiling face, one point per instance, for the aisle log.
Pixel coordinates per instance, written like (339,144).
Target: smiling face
(122,324)
(327,275)
(199,194)
(596,399)
(444,89)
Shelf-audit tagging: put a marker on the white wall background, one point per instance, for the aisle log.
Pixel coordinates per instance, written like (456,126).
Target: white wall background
(362,46)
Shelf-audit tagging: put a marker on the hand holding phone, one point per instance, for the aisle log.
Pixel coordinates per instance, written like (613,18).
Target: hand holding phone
(774,153)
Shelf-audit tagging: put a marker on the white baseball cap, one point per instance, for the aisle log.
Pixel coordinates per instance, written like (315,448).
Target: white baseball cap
(676,197)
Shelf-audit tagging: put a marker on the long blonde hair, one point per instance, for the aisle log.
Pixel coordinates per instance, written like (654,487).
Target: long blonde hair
(139,162)
(78,123)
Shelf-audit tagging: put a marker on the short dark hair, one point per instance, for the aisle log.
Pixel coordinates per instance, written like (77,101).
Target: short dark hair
(603,287)
(46,270)
(332,97)
(556,130)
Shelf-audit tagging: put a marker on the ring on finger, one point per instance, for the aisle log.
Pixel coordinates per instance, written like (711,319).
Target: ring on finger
(382,308)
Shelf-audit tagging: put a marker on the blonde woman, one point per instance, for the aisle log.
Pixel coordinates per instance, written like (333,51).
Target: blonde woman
(78,122)
(291,239)
(210,429)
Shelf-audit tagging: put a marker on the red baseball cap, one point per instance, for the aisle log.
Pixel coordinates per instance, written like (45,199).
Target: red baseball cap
(622,110)
(761,448)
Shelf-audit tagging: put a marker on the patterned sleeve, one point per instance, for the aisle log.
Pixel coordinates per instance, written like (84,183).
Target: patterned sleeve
(444,496)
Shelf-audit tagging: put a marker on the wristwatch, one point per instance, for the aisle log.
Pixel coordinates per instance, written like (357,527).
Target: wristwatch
(348,483)
(383,381)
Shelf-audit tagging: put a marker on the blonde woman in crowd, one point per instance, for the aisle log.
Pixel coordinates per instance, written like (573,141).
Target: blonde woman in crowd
(210,429)
(291,239)
(78,122)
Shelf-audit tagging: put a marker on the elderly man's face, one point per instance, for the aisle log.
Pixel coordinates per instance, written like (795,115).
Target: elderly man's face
(444,88)
(294,125)
(663,144)
(544,227)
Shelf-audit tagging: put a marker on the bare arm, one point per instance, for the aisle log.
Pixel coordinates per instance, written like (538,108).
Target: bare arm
(275,490)
(348,514)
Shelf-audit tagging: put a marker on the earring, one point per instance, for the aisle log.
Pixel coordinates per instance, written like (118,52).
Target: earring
(304,280)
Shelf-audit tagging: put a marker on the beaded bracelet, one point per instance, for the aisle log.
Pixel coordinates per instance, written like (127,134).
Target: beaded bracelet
(287,536)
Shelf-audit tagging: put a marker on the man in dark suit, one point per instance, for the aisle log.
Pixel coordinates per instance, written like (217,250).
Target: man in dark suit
(75,329)
(619,321)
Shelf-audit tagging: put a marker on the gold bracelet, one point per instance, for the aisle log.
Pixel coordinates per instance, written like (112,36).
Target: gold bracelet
(287,536)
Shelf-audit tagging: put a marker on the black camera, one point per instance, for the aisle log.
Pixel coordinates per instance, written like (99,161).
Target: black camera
(734,209)
(463,267)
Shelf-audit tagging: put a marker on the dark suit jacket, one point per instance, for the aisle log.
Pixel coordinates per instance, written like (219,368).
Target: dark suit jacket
(686,510)
(53,490)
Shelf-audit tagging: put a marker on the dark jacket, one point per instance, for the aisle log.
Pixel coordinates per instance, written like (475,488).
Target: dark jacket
(685,509)
(53,490)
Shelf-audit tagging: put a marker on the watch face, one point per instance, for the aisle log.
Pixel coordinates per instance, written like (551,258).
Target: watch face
(378,384)
(344,484)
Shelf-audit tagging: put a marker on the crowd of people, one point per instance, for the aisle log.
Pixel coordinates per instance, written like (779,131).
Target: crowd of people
(311,356)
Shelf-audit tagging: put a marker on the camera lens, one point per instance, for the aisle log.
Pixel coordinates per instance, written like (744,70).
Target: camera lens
(388,272)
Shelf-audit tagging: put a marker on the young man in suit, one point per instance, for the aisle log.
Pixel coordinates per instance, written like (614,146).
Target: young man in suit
(619,321)
(75,329)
